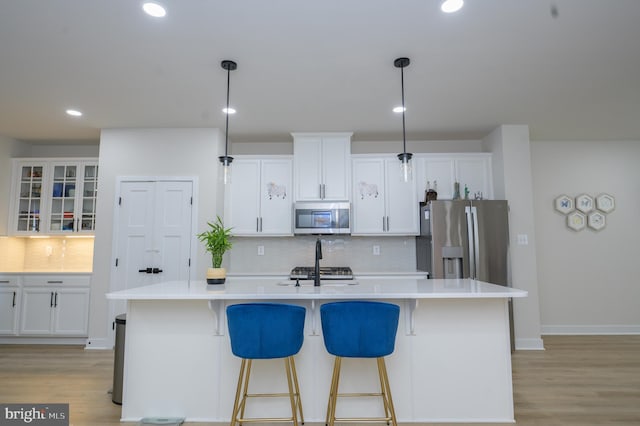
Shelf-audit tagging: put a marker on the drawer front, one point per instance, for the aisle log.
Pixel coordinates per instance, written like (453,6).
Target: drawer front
(58,280)
(9,280)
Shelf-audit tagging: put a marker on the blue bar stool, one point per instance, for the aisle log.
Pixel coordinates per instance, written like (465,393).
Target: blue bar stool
(360,329)
(266,331)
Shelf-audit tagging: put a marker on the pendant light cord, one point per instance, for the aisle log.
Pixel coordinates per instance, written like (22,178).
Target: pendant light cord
(404,138)
(226,135)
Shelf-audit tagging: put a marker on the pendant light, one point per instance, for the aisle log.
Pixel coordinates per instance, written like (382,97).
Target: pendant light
(404,157)
(226,159)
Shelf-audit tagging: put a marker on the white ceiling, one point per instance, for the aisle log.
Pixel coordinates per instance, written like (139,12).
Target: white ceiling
(324,65)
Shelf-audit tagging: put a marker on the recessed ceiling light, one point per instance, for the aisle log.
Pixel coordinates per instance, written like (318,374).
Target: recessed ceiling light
(74,113)
(228,110)
(450,6)
(399,109)
(154,9)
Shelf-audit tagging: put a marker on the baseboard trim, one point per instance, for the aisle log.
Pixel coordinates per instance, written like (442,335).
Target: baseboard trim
(590,329)
(99,344)
(529,344)
(20,340)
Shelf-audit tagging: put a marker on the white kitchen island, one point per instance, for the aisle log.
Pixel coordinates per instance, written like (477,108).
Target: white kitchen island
(452,361)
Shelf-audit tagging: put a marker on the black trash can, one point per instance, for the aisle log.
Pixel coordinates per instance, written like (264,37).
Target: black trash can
(118,361)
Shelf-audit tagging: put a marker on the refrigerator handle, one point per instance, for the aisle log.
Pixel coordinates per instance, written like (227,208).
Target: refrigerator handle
(470,241)
(476,242)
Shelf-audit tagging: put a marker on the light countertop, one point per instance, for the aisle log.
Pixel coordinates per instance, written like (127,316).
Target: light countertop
(284,289)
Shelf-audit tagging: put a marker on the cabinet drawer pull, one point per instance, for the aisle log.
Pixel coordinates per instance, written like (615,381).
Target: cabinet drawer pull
(54,282)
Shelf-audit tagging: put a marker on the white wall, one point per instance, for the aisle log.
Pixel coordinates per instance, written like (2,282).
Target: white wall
(513,182)
(363,147)
(148,152)
(588,280)
(9,148)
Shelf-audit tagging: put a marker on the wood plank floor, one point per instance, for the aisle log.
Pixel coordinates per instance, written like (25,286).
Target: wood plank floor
(577,381)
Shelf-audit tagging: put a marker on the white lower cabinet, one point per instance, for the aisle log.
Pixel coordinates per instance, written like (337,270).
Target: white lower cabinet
(383,204)
(9,306)
(55,309)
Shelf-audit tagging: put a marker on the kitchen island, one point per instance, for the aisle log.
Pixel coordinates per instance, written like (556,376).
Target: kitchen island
(452,359)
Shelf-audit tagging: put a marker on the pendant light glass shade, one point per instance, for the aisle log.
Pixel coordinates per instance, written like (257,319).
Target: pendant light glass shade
(225,160)
(404,156)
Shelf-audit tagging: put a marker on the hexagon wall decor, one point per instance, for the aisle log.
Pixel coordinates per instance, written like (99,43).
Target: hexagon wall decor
(596,220)
(576,221)
(584,203)
(564,204)
(605,203)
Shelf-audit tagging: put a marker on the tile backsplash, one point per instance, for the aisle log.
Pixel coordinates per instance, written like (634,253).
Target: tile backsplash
(397,254)
(46,254)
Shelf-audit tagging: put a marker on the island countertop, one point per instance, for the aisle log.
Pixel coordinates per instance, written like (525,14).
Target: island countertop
(451,346)
(282,289)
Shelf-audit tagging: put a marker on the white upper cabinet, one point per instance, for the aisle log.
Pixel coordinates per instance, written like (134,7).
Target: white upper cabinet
(383,204)
(258,201)
(322,166)
(472,170)
(54,196)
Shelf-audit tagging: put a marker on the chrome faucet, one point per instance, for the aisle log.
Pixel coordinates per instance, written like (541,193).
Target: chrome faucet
(316,275)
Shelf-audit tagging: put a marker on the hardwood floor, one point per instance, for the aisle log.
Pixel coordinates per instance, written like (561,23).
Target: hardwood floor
(578,380)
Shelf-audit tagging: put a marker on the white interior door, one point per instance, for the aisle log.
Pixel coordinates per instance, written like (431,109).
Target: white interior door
(172,231)
(153,234)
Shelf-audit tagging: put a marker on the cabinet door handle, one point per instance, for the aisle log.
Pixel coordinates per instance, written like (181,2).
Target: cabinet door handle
(156,270)
(4,282)
(13,305)
(384,228)
(51,301)
(387,223)
(55,300)
(146,270)
(260,224)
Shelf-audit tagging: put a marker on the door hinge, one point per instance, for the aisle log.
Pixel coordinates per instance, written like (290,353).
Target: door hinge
(116,262)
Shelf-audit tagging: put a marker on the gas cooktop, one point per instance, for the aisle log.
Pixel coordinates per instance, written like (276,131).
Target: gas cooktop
(326,273)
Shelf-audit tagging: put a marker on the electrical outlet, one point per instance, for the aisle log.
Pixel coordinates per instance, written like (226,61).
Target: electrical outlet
(260,250)
(522,239)
(376,250)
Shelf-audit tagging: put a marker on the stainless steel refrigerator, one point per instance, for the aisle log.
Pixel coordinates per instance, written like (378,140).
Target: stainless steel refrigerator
(464,239)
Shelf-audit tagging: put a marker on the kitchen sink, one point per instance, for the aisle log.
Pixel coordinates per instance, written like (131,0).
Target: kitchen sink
(323,283)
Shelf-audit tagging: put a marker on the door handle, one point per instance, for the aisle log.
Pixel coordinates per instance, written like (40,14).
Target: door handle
(156,270)
(146,270)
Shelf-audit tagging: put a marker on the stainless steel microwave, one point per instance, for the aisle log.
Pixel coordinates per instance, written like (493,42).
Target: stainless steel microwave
(322,218)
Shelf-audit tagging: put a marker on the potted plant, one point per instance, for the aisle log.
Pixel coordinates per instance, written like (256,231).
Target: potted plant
(216,241)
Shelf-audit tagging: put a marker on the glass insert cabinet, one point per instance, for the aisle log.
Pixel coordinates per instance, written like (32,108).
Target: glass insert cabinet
(55,196)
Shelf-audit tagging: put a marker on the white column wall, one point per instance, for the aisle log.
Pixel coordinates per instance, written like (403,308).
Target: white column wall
(148,152)
(513,182)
